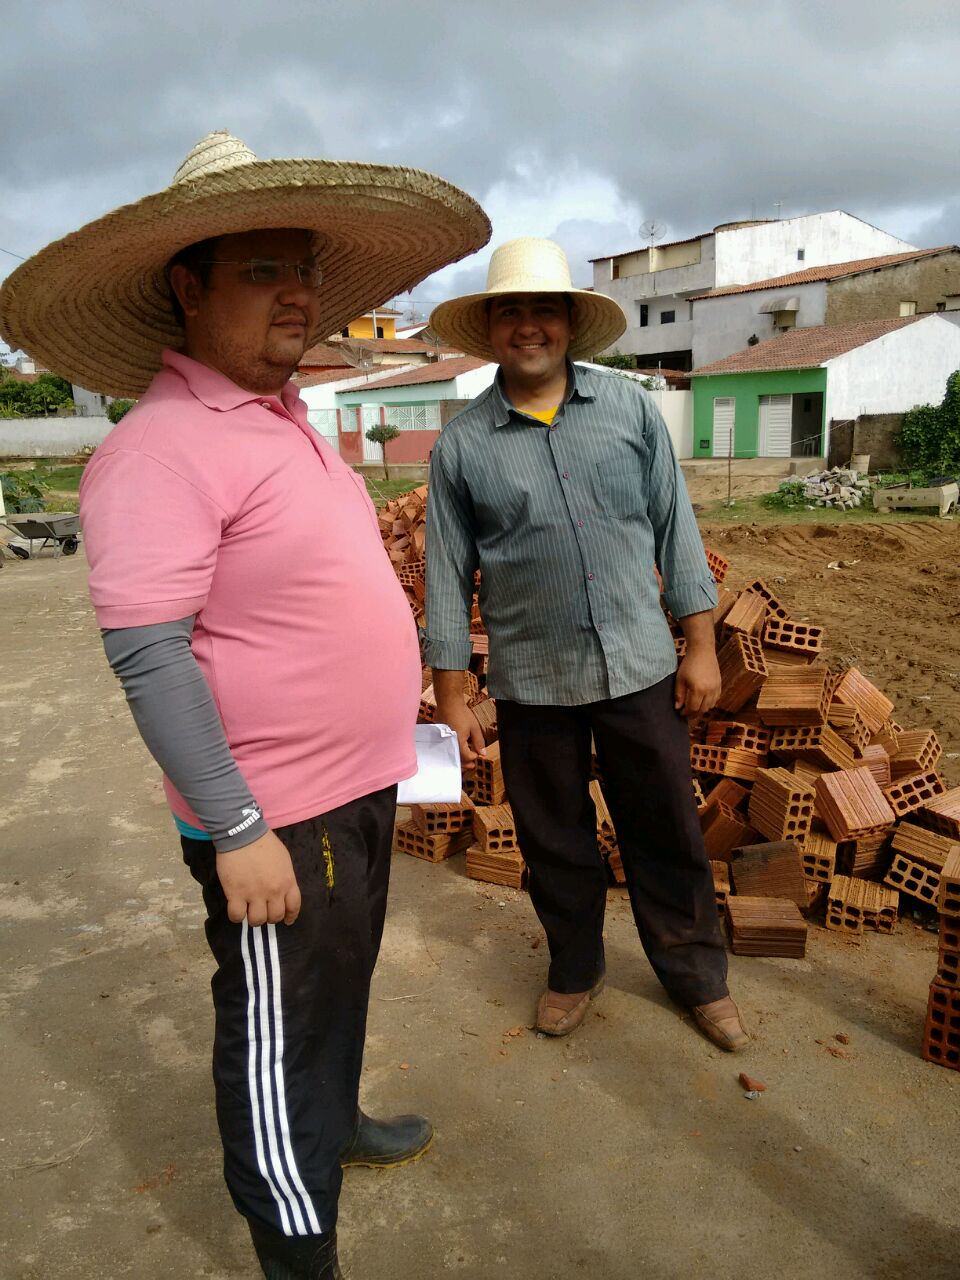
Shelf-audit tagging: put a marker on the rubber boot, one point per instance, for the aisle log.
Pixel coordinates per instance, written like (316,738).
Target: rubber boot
(295,1257)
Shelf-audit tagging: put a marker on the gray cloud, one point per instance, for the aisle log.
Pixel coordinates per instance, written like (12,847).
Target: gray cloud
(580,121)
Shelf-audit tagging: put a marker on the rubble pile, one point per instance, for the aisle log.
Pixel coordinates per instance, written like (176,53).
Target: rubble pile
(814,801)
(839,487)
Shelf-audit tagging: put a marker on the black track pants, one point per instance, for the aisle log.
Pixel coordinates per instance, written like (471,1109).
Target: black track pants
(291,1011)
(643,748)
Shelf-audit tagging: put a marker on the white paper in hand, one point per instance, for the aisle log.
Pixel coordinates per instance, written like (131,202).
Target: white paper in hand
(437,780)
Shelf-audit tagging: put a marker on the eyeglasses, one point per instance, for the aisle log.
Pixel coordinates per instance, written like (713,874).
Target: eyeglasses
(271,270)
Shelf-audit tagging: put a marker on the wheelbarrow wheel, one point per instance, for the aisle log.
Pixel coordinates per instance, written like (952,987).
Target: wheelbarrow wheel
(21,552)
(69,546)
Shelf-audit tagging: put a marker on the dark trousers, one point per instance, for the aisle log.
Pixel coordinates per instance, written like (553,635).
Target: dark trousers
(291,1012)
(643,750)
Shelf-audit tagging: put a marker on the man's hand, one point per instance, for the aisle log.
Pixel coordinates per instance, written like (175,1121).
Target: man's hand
(259,883)
(453,710)
(697,686)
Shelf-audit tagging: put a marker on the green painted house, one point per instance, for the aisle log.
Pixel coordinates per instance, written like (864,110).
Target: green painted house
(778,398)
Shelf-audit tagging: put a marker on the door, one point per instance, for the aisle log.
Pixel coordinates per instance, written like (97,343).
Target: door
(724,413)
(776,426)
(370,417)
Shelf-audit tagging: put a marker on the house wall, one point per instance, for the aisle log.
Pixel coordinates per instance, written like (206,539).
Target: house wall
(905,368)
(747,388)
(722,326)
(877,295)
(770,249)
(362,327)
(677,410)
(416,393)
(662,290)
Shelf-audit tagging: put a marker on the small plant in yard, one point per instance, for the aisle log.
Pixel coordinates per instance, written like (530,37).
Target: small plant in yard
(23,492)
(787,496)
(382,434)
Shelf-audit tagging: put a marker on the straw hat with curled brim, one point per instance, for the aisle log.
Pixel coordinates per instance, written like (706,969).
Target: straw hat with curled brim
(95,306)
(529,265)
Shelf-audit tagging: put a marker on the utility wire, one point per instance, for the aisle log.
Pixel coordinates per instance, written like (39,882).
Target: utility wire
(13,255)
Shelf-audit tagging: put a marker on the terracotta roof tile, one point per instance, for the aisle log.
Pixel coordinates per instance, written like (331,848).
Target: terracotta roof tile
(805,348)
(437,371)
(835,271)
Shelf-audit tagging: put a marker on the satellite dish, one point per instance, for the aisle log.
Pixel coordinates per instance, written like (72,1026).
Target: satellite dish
(651,230)
(359,355)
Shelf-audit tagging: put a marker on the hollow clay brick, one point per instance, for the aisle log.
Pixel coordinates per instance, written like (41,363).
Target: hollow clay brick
(941,1032)
(781,805)
(854,689)
(913,878)
(906,794)
(797,696)
(851,804)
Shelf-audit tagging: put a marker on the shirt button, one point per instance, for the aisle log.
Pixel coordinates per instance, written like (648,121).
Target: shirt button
(579,524)
(566,475)
(599,626)
(590,576)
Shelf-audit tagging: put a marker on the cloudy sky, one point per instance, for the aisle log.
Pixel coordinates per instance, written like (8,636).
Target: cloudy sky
(577,121)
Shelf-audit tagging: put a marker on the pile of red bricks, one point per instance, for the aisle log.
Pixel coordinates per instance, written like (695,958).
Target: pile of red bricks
(813,799)
(941,1034)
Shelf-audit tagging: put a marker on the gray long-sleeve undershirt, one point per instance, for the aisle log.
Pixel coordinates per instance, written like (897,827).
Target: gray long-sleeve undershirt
(178,720)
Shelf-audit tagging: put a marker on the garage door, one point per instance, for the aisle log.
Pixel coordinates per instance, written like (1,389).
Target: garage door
(776,426)
(724,411)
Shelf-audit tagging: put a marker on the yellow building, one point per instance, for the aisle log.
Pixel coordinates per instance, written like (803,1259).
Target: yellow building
(385,319)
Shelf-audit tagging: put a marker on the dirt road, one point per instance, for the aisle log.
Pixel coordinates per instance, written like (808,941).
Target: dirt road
(626,1151)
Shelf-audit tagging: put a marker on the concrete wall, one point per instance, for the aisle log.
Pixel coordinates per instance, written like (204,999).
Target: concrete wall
(873,434)
(677,410)
(876,295)
(722,326)
(51,437)
(770,249)
(747,388)
(905,368)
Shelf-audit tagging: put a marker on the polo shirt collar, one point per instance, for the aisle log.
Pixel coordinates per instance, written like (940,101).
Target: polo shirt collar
(216,391)
(503,410)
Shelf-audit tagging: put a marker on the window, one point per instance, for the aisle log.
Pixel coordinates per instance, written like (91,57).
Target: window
(667,317)
(379,330)
(801,254)
(344,333)
(952,303)
(614,270)
(644,315)
(908,308)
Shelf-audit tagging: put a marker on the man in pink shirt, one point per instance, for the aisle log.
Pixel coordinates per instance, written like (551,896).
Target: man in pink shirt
(265,646)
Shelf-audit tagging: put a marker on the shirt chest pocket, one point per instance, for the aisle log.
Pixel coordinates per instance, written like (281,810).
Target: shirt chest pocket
(621,489)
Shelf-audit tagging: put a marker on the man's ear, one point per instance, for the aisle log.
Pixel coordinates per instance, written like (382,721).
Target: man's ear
(186,287)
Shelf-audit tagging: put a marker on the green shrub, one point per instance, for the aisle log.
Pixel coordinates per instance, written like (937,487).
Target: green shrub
(788,496)
(23,491)
(117,408)
(929,439)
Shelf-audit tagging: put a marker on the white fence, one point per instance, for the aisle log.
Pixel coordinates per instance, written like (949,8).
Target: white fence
(50,437)
(324,422)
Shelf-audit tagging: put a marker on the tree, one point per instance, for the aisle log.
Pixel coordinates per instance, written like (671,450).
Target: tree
(34,399)
(616,360)
(930,436)
(382,434)
(117,408)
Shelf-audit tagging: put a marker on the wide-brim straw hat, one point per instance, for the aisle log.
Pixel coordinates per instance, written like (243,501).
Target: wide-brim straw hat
(529,265)
(95,306)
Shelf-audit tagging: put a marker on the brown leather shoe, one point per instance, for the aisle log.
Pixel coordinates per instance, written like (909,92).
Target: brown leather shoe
(720,1022)
(560,1012)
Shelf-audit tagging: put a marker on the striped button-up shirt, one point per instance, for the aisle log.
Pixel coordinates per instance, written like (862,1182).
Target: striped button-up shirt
(565,523)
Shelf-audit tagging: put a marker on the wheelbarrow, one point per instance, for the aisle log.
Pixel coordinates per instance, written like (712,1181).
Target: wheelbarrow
(60,529)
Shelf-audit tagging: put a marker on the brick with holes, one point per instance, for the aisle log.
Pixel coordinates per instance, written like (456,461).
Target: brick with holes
(443,819)
(941,1032)
(906,794)
(913,878)
(796,696)
(781,805)
(742,671)
(852,805)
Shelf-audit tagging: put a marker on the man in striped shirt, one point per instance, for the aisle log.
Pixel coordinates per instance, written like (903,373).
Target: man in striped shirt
(560,485)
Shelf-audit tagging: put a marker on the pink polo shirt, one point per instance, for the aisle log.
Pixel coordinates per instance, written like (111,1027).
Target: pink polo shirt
(207,499)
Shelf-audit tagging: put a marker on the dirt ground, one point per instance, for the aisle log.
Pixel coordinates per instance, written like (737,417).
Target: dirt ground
(626,1151)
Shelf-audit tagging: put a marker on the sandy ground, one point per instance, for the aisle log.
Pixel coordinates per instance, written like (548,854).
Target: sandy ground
(626,1151)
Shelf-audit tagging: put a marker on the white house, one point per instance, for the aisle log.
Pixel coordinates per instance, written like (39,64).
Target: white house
(655,285)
